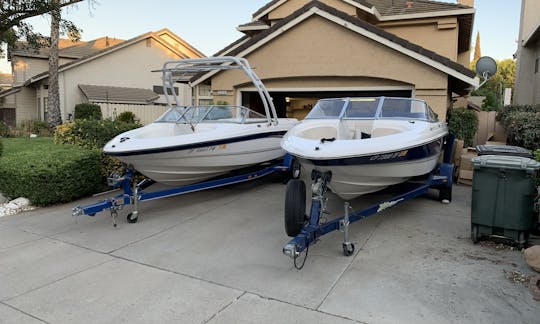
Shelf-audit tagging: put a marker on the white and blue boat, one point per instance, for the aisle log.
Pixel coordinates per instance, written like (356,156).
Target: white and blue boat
(367,144)
(190,144)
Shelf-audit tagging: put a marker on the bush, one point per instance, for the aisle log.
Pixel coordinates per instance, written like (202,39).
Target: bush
(4,129)
(87,111)
(522,124)
(463,123)
(1,147)
(127,117)
(94,134)
(90,133)
(537,155)
(50,174)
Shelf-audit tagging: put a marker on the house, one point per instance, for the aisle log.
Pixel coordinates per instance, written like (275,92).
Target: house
(527,87)
(103,70)
(306,50)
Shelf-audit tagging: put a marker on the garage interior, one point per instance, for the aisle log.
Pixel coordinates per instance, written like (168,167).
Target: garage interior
(297,104)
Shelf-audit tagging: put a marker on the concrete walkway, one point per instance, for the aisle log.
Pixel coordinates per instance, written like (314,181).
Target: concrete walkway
(215,257)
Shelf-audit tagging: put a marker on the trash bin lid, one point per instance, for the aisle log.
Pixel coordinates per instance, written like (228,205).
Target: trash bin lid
(505,161)
(503,150)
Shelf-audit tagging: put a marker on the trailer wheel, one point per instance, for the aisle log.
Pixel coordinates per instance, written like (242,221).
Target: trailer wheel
(132,218)
(295,169)
(348,249)
(295,207)
(475,233)
(445,193)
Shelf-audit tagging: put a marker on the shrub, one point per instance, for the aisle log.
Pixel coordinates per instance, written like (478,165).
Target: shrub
(127,117)
(94,134)
(50,174)
(4,129)
(537,155)
(87,111)
(90,133)
(37,127)
(1,147)
(522,124)
(463,123)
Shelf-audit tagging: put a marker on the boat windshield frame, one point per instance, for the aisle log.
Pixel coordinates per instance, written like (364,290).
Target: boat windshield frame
(206,114)
(425,113)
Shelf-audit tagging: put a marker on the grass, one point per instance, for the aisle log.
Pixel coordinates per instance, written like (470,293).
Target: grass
(25,144)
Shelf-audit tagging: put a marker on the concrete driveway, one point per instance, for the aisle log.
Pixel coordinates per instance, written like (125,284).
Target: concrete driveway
(215,257)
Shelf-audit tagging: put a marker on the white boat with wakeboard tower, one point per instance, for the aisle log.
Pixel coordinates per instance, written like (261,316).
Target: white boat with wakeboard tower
(190,144)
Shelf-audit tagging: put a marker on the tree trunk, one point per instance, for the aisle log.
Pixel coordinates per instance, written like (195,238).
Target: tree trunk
(54,114)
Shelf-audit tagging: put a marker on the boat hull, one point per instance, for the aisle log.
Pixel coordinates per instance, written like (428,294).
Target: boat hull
(186,166)
(357,177)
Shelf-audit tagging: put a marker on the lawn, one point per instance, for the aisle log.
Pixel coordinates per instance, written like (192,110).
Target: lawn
(25,144)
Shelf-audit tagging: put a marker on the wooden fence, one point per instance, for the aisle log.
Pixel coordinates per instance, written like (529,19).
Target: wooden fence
(145,113)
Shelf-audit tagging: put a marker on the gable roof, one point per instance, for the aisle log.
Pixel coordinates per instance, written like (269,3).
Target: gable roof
(390,9)
(153,35)
(67,48)
(366,29)
(96,93)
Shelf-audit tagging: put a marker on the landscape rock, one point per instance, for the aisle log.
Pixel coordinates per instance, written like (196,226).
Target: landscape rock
(532,256)
(3,199)
(15,206)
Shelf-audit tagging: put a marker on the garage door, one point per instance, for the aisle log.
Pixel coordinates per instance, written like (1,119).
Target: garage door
(296,104)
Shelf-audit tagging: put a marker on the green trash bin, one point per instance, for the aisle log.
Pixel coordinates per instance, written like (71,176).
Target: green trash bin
(503,195)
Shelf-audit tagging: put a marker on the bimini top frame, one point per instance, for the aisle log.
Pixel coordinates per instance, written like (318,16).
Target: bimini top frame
(184,70)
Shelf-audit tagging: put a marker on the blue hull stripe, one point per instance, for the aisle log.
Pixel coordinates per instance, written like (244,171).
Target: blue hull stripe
(412,154)
(198,145)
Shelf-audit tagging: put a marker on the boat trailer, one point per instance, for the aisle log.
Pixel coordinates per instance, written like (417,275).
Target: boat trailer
(306,230)
(135,194)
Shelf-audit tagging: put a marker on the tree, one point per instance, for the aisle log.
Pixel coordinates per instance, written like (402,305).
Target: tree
(55,116)
(493,89)
(14,12)
(477,50)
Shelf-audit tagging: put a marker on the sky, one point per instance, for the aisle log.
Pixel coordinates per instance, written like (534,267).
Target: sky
(210,25)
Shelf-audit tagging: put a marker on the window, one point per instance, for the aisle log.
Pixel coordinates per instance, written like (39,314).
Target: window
(159,90)
(536,65)
(205,90)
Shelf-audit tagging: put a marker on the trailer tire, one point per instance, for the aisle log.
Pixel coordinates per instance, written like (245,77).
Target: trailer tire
(445,193)
(132,218)
(475,233)
(295,207)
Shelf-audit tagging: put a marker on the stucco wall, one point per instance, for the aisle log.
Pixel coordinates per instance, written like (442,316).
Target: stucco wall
(26,98)
(127,67)
(439,35)
(334,51)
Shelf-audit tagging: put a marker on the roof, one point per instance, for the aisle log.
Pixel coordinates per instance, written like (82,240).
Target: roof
(6,78)
(392,10)
(67,48)
(10,91)
(375,33)
(96,93)
(405,7)
(384,9)
(105,51)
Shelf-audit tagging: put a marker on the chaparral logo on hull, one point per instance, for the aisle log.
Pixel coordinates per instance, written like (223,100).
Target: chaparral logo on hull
(389,156)
(208,148)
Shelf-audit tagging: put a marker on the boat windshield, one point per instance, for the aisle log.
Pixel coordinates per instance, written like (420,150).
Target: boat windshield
(372,108)
(211,114)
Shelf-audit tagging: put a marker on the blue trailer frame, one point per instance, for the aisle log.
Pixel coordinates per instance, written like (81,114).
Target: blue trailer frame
(441,178)
(133,195)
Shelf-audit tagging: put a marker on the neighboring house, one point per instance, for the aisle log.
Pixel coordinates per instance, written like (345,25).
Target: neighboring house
(527,87)
(306,50)
(103,70)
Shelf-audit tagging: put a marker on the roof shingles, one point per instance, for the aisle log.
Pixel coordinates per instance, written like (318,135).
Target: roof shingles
(96,93)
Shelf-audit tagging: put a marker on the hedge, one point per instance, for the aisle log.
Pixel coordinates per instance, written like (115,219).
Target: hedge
(522,124)
(95,134)
(463,123)
(87,111)
(50,174)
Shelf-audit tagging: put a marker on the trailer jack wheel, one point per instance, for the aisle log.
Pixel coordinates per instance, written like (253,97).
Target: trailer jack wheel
(295,207)
(475,233)
(445,194)
(132,218)
(348,249)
